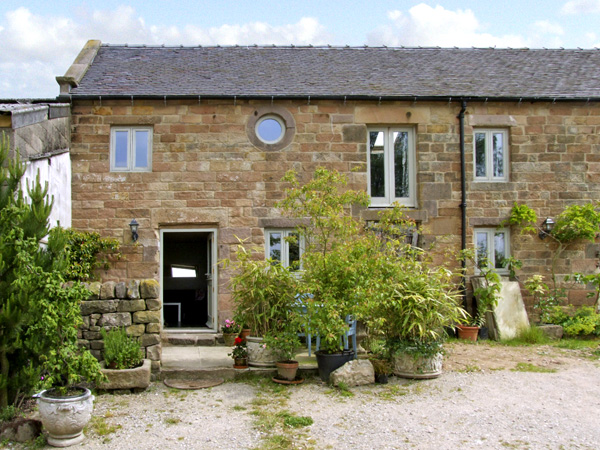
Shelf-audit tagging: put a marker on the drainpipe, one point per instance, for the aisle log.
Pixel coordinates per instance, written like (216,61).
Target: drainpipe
(463,200)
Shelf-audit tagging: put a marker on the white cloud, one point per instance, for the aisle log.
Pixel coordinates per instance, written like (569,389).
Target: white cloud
(581,7)
(436,26)
(37,48)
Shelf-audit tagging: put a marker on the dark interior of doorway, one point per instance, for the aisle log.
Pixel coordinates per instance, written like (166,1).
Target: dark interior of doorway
(185,298)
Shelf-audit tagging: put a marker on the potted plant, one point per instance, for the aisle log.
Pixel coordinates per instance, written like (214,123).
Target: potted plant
(264,294)
(230,330)
(284,341)
(485,290)
(124,365)
(65,406)
(406,301)
(380,359)
(239,354)
(332,259)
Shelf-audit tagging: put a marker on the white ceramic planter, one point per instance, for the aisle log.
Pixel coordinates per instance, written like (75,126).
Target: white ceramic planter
(421,367)
(258,355)
(65,417)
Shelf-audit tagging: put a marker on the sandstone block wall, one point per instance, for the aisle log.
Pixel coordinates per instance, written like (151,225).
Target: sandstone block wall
(133,305)
(207,173)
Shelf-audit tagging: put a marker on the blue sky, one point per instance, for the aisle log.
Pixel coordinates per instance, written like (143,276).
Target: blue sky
(41,38)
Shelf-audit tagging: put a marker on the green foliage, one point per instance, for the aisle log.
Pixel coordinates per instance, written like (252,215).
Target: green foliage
(263,292)
(9,413)
(86,252)
(583,321)
(524,217)
(577,223)
(34,301)
(544,299)
(487,293)
(332,260)
(512,265)
(120,350)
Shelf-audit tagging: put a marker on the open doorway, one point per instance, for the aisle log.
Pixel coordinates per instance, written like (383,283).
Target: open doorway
(188,270)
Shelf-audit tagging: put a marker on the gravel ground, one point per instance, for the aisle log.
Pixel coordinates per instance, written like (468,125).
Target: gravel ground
(491,409)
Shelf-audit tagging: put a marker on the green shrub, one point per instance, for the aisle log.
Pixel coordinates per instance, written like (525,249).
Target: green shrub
(583,321)
(120,350)
(527,336)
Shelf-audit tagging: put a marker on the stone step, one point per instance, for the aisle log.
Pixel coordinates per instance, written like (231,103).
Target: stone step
(191,339)
(227,373)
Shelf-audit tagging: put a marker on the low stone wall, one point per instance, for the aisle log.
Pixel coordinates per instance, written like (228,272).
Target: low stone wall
(134,305)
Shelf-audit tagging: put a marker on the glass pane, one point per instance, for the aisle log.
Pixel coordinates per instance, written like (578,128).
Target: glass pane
(498,155)
(294,250)
(121,141)
(269,130)
(275,246)
(480,154)
(183,272)
(401,175)
(482,248)
(141,148)
(499,249)
(376,155)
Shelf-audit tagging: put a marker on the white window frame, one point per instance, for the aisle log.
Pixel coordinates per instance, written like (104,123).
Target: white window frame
(131,144)
(491,247)
(489,160)
(389,198)
(285,248)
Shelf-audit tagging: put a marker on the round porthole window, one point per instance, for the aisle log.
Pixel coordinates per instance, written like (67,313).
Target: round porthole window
(270,129)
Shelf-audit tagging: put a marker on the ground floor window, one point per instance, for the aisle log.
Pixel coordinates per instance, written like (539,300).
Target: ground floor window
(492,247)
(284,246)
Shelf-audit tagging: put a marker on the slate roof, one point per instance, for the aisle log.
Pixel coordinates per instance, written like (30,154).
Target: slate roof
(354,72)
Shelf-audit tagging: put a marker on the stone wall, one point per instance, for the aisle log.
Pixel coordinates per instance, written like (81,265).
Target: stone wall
(206,171)
(134,305)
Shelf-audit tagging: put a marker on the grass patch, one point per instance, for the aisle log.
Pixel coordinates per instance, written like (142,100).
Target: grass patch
(527,336)
(239,408)
(172,420)
(470,369)
(101,427)
(390,392)
(577,344)
(293,421)
(528,367)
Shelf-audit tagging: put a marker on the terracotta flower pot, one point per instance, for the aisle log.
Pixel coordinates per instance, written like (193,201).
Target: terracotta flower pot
(245,333)
(467,333)
(287,369)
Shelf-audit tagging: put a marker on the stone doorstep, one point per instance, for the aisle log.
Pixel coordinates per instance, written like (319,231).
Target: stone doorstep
(228,373)
(189,339)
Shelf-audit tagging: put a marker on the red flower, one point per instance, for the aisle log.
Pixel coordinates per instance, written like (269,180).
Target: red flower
(238,340)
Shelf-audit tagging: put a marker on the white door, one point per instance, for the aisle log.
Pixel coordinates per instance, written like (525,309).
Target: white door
(210,274)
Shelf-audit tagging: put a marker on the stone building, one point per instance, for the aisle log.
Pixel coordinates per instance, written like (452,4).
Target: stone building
(42,134)
(192,142)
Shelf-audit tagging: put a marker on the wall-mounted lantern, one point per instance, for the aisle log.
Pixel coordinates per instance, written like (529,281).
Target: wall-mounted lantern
(134,229)
(546,227)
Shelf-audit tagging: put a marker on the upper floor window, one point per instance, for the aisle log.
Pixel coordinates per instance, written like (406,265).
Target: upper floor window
(284,246)
(131,149)
(391,166)
(492,247)
(491,155)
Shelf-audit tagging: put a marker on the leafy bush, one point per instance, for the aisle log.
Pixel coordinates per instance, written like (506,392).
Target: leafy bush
(583,321)
(120,350)
(86,252)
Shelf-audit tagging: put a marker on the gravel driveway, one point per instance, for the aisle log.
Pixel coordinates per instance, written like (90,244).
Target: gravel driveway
(491,409)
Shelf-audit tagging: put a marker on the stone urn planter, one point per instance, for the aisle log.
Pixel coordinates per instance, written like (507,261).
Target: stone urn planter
(258,354)
(409,365)
(136,378)
(64,417)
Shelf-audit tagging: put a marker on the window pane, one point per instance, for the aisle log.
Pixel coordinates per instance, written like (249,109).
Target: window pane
(498,155)
(376,155)
(275,246)
(401,174)
(121,142)
(499,249)
(183,272)
(141,148)
(269,130)
(294,250)
(480,154)
(482,248)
